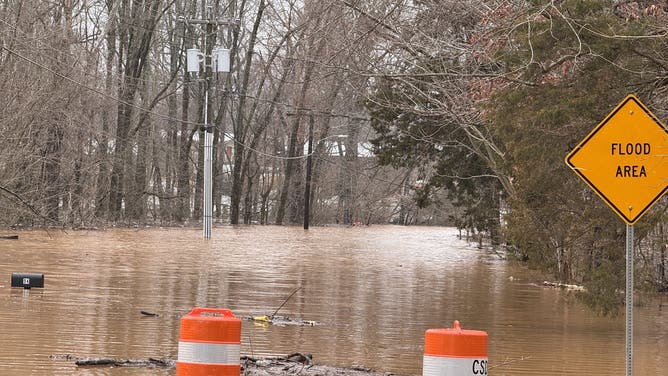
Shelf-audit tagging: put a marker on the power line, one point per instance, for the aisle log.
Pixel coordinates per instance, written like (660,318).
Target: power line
(55,51)
(138,107)
(166,117)
(104,94)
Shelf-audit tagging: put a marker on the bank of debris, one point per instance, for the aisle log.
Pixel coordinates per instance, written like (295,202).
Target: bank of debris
(302,365)
(293,364)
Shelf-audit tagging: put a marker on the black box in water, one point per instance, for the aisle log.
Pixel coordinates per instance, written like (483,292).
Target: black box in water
(28,280)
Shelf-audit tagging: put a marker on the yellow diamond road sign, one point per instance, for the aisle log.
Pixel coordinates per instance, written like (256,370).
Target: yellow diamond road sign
(625,159)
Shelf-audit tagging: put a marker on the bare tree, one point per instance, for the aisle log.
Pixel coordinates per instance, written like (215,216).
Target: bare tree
(135,37)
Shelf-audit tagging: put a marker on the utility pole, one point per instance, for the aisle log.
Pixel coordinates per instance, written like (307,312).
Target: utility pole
(213,59)
(309,164)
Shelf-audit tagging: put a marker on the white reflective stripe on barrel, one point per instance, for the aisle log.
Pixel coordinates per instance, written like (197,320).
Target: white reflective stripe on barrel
(444,366)
(209,353)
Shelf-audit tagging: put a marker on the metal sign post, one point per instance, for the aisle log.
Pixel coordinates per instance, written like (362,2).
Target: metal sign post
(629,300)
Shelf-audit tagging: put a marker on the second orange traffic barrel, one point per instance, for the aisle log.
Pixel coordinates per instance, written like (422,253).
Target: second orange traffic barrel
(209,343)
(454,352)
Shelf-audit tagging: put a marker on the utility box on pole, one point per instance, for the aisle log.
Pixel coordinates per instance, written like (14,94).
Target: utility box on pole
(194,58)
(221,59)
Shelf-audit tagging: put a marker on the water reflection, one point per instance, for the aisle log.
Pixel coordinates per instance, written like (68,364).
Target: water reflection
(376,290)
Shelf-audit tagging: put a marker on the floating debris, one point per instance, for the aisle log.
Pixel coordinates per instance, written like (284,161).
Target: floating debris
(564,286)
(140,363)
(280,321)
(273,319)
(112,362)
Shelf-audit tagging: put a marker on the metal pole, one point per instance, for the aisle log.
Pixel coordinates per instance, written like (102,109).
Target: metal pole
(307,186)
(629,300)
(208,136)
(207,210)
(208,167)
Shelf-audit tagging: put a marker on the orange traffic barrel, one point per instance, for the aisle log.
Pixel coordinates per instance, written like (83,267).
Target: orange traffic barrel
(454,352)
(209,343)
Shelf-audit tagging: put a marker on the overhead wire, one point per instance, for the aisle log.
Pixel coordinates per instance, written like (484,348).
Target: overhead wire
(52,56)
(141,108)
(135,106)
(116,99)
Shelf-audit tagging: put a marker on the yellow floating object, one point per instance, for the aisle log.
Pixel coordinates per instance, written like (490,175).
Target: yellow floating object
(262,318)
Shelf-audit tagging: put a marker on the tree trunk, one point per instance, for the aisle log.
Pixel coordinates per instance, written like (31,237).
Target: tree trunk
(349,193)
(103,177)
(240,124)
(321,148)
(138,48)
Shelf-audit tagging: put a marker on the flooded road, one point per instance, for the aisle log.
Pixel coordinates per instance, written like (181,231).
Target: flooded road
(375,291)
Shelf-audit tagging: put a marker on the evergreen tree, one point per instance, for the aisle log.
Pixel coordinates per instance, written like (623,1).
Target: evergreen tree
(413,133)
(570,63)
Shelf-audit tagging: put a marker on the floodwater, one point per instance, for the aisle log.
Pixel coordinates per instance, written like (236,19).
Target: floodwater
(374,291)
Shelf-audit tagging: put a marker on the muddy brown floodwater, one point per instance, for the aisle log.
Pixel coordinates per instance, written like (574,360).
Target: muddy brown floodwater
(375,291)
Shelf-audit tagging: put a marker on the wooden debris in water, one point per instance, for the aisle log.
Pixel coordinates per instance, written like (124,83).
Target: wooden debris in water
(295,363)
(563,286)
(141,363)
